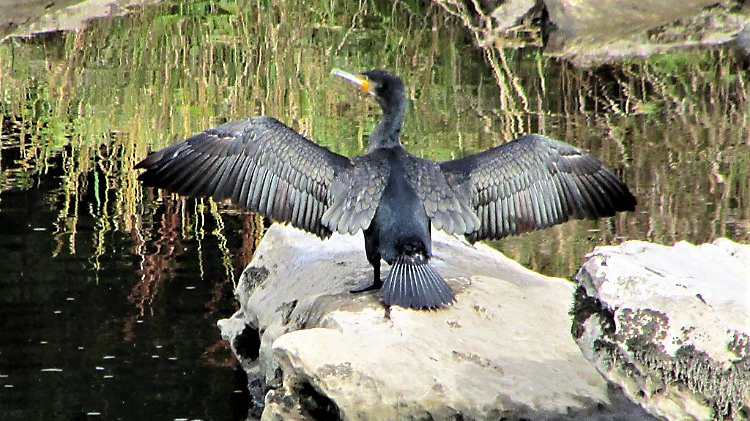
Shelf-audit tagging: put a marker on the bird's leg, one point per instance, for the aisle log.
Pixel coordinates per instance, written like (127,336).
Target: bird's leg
(376,283)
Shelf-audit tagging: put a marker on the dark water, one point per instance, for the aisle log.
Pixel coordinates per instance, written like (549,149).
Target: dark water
(109,337)
(109,293)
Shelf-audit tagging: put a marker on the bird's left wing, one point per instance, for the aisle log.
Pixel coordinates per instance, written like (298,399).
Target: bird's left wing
(535,182)
(258,163)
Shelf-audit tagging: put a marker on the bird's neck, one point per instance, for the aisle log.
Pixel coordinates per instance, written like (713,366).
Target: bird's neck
(387,134)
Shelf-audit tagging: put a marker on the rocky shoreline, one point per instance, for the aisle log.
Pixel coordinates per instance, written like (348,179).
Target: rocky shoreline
(591,33)
(670,325)
(669,343)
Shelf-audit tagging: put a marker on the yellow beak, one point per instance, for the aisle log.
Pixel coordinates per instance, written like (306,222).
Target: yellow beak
(359,80)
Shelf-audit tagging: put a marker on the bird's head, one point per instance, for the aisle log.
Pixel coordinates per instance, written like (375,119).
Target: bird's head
(385,87)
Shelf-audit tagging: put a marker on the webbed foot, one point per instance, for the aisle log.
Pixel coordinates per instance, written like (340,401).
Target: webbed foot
(375,286)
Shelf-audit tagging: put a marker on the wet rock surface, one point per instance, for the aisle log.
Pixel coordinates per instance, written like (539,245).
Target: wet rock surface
(503,351)
(671,325)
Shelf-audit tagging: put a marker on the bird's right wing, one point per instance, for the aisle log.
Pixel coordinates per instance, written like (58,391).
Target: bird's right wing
(261,165)
(357,192)
(446,203)
(535,182)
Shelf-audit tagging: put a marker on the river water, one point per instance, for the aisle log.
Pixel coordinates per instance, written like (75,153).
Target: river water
(109,293)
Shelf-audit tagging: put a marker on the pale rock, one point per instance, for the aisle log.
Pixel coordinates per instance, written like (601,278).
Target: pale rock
(671,325)
(502,351)
(590,33)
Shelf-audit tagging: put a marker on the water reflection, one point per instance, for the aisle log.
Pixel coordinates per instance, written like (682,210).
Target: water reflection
(149,273)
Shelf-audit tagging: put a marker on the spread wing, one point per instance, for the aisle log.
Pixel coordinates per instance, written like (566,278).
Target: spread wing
(535,182)
(447,204)
(357,192)
(261,165)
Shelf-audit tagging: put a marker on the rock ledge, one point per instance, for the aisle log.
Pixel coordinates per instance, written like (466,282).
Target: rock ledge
(503,351)
(671,325)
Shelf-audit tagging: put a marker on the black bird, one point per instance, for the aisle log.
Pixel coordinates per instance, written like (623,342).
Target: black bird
(393,196)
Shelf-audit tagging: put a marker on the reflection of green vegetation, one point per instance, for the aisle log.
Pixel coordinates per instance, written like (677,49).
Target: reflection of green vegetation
(94,102)
(682,120)
(678,123)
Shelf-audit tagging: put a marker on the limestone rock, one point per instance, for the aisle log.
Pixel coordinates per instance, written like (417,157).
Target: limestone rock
(589,33)
(671,325)
(503,351)
(23,18)
(623,15)
(494,23)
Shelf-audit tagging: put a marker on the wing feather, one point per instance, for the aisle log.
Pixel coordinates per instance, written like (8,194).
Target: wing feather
(447,204)
(535,182)
(357,192)
(258,163)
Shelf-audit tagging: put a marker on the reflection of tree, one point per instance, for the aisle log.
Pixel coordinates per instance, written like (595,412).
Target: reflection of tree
(252,231)
(220,355)
(161,264)
(159,261)
(251,235)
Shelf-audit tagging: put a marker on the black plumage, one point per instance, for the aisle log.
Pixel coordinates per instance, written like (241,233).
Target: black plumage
(260,164)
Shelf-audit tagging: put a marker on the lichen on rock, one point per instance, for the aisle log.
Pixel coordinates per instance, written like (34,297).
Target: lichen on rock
(670,325)
(502,351)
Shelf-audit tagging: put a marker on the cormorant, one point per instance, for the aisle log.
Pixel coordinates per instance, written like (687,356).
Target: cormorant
(260,164)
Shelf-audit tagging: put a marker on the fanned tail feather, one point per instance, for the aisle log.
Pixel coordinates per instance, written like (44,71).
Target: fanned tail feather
(413,283)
